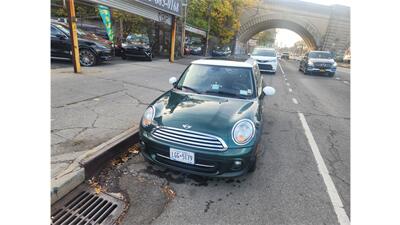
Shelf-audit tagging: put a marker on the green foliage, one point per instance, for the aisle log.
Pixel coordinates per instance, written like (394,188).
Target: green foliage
(265,37)
(225,14)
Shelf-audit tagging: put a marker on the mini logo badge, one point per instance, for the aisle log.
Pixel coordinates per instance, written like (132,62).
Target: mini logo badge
(186,126)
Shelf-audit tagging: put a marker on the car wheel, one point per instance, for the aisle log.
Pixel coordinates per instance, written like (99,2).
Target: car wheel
(87,57)
(123,56)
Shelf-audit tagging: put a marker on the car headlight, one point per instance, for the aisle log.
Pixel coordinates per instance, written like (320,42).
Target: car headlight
(243,131)
(148,116)
(310,63)
(99,46)
(334,64)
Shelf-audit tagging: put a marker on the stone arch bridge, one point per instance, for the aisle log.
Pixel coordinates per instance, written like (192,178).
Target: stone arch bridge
(321,27)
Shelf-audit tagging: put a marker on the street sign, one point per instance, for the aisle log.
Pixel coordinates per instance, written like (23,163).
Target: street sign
(173,7)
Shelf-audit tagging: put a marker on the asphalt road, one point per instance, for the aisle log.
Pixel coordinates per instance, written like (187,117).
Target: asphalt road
(287,187)
(302,175)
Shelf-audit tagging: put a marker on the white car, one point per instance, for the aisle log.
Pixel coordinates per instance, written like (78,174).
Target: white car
(266,58)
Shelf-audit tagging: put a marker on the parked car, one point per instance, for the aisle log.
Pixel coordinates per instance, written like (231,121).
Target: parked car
(210,122)
(136,45)
(196,49)
(266,59)
(347,56)
(318,62)
(99,31)
(91,52)
(221,51)
(285,55)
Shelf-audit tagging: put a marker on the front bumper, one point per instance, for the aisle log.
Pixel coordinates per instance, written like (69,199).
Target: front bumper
(207,163)
(321,70)
(104,55)
(267,67)
(136,52)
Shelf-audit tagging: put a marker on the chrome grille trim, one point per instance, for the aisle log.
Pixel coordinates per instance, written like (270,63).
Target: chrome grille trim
(189,138)
(197,164)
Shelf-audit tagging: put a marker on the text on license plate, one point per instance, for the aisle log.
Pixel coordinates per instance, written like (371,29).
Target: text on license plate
(181,156)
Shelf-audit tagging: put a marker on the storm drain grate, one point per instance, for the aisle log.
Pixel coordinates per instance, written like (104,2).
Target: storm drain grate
(84,206)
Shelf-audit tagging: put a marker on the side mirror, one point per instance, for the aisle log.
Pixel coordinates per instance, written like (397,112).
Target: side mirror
(172,80)
(269,91)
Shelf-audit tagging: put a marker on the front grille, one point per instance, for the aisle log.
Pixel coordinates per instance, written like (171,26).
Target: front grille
(204,168)
(264,67)
(322,65)
(189,138)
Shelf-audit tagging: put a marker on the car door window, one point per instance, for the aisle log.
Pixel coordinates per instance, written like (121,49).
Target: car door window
(55,32)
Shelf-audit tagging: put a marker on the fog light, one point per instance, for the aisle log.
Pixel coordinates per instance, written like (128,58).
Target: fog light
(238,163)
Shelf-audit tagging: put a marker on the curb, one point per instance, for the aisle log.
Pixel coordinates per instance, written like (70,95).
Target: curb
(87,164)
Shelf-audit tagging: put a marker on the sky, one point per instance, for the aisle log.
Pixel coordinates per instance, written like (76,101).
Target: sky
(287,38)
(330,2)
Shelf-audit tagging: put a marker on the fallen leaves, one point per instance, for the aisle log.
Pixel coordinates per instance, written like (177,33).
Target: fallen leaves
(95,185)
(168,192)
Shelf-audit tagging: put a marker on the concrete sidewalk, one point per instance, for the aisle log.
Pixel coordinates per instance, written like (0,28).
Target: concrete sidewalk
(91,108)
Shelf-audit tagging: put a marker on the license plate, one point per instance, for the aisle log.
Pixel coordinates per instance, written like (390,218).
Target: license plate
(321,70)
(181,156)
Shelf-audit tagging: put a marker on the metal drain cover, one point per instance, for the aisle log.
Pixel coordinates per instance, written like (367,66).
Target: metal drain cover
(85,206)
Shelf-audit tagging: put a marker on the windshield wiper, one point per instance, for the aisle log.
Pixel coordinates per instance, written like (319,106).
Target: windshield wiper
(225,93)
(192,89)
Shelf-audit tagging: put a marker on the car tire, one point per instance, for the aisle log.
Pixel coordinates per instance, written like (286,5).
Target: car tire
(87,58)
(123,56)
(252,166)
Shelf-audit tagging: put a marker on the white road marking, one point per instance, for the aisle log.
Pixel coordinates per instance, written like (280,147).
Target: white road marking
(295,101)
(285,79)
(346,82)
(281,68)
(330,186)
(337,78)
(290,90)
(287,84)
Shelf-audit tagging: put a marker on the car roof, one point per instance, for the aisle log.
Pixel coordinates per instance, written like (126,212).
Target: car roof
(228,63)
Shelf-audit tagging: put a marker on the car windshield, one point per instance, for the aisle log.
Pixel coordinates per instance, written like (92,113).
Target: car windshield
(224,81)
(137,39)
(264,52)
(320,55)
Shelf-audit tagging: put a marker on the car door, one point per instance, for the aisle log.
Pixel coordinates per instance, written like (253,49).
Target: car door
(60,46)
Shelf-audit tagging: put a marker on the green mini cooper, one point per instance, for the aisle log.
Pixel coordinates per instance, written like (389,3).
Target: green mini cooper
(210,122)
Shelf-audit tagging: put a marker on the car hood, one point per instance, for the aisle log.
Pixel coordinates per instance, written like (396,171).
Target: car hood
(263,57)
(321,60)
(97,39)
(208,114)
(135,45)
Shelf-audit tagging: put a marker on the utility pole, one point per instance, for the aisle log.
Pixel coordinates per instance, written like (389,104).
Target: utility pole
(73,36)
(173,36)
(208,27)
(184,4)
